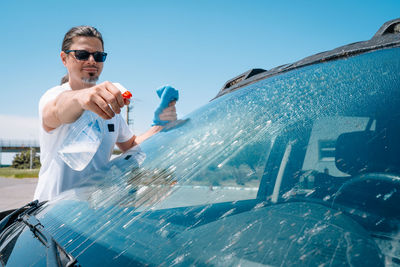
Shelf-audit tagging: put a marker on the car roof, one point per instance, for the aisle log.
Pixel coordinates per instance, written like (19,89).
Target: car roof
(387,36)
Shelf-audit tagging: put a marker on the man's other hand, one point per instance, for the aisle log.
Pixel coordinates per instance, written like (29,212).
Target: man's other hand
(169,113)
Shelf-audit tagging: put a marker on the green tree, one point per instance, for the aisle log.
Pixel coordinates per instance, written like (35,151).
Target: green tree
(23,160)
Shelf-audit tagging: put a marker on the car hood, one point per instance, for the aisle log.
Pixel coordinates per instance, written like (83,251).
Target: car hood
(291,233)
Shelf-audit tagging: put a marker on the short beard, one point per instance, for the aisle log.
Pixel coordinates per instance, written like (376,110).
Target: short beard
(90,80)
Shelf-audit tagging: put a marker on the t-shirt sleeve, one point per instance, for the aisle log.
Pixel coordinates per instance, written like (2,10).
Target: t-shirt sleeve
(48,96)
(124,133)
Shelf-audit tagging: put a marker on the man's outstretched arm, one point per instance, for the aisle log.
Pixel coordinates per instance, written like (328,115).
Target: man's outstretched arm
(168,114)
(104,99)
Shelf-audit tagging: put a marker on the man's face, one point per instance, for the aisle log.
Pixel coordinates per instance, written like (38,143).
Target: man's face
(83,73)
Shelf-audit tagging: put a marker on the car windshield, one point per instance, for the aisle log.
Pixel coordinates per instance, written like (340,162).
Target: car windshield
(290,155)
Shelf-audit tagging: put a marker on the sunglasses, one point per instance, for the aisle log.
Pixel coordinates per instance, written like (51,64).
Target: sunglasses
(84,55)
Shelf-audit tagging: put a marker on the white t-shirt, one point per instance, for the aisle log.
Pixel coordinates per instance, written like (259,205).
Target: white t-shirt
(55,176)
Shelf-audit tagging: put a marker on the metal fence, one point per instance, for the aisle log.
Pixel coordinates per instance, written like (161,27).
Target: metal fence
(16,146)
(18,143)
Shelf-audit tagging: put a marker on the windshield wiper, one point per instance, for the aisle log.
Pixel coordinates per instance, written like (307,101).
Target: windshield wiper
(56,254)
(13,216)
(54,258)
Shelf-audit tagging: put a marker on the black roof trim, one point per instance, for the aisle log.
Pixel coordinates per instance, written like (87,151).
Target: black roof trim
(244,76)
(387,36)
(389,27)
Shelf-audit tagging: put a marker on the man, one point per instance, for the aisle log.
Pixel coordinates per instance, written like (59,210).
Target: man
(83,55)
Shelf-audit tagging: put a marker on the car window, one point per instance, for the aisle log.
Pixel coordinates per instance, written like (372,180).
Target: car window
(320,154)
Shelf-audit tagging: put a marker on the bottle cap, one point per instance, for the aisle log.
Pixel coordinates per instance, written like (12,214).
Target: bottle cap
(125,93)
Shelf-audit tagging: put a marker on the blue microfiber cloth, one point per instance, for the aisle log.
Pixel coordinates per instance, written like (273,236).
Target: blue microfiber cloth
(167,94)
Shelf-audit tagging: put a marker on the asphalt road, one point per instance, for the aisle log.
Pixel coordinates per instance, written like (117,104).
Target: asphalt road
(14,193)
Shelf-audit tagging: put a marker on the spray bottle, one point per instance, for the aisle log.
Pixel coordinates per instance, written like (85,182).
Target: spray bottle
(84,137)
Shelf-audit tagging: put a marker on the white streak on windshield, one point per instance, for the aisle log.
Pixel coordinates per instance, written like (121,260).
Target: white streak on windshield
(282,167)
(388,195)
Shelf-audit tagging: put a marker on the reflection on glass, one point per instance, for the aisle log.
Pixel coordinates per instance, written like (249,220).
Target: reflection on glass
(301,168)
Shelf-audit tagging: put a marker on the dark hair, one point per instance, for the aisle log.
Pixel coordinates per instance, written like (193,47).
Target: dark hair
(85,31)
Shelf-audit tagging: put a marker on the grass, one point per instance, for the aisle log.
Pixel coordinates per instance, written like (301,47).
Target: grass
(18,173)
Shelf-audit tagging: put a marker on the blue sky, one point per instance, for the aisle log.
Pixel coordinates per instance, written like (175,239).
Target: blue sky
(195,46)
